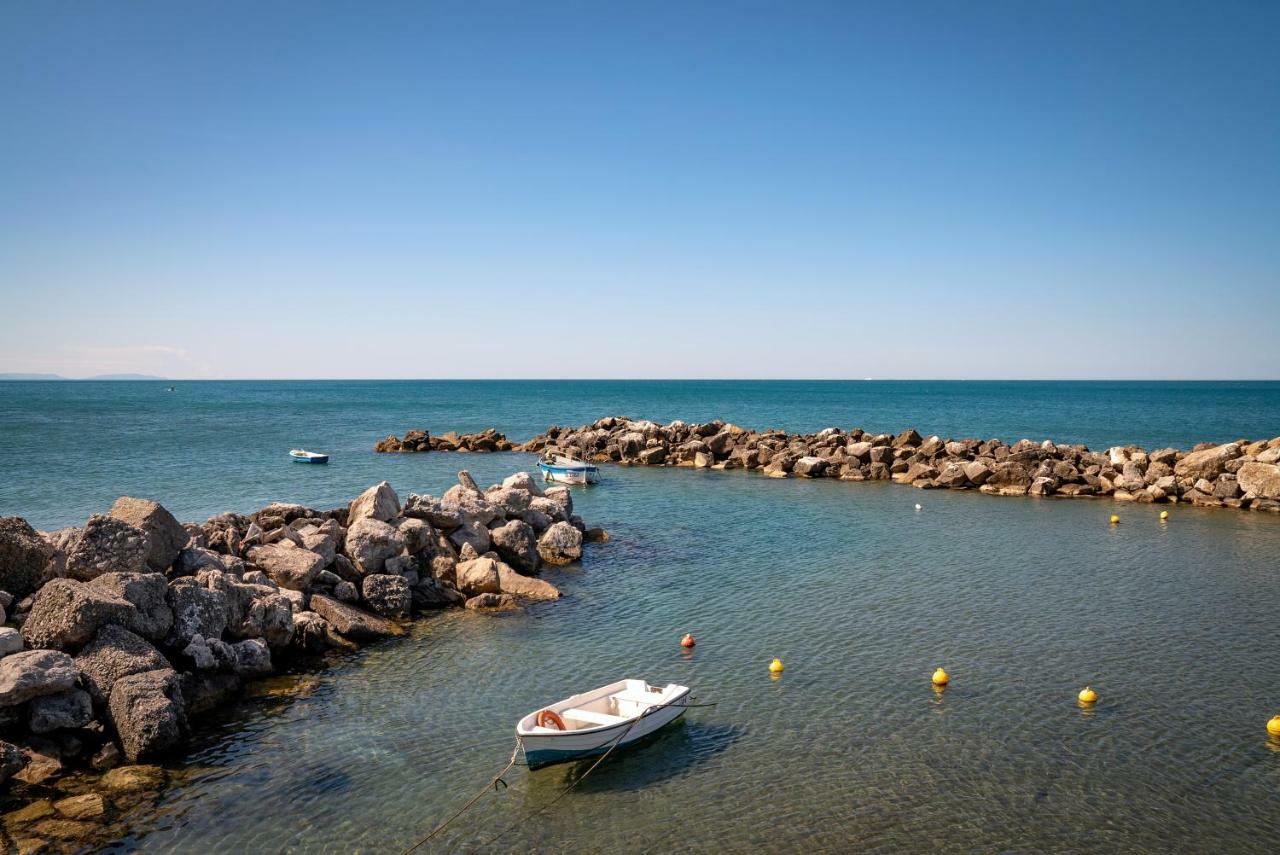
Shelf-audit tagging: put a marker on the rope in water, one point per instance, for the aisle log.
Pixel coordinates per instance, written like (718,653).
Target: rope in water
(497,779)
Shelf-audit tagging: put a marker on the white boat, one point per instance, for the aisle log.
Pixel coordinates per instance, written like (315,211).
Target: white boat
(568,470)
(594,722)
(302,456)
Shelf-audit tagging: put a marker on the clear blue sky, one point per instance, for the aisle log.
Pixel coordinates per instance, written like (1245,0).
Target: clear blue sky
(736,189)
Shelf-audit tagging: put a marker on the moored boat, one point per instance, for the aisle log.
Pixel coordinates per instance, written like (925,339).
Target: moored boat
(568,470)
(302,456)
(591,723)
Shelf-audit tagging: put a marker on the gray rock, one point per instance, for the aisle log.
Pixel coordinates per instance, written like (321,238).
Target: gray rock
(550,508)
(491,602)
(517,543)
(72,708)
(207,691)
(311,632)
(560,544)
(196,611)
(523,481)
(268,616)
(197,650)
(23,557)
(192,560)
(12,760)
(537,520)
(287,567)
(418,534)
(107,545)
(148,592)
(810,467)
(432,510)
(510,501)
(351,622)
(562,497)
(347,592)
(252,657)
(10,640)
(387,595)
(370,543)
(67,614)
(148,712)
(114,653)
(165,534)
(478,576)
(33,674)
(471,533)
(322,543)
(379,502)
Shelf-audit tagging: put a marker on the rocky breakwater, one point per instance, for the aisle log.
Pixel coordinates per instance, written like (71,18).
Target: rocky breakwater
(1241,474)
(123,629)
(421,440)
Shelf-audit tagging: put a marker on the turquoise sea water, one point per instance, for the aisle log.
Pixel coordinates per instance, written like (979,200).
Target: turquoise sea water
(1024,601)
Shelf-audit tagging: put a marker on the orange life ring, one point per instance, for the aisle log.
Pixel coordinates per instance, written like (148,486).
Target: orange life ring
(549,718)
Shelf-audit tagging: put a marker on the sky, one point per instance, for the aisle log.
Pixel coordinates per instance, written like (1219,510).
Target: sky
(658,190)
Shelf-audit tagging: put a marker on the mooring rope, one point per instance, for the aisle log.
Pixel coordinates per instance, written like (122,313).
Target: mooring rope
(497,779)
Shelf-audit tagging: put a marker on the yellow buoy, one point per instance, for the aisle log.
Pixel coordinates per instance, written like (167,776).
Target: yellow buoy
(941,678)
(1273,726)
(1164,515)
(1115,519)
(1087,695)
(775,667)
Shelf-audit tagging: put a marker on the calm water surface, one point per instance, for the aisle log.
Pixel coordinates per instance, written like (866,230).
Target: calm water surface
(860,595)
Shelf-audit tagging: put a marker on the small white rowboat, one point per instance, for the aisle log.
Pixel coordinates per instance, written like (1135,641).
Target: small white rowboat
(567,470)
(301,456)
(594,722)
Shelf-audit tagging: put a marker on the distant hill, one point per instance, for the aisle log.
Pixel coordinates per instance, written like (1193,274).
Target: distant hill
(20,376)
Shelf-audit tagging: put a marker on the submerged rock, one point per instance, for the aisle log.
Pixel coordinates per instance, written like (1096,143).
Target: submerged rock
(352,622)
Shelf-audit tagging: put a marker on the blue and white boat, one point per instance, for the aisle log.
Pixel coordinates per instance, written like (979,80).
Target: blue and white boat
(592,723)
(568,470)
(302,456)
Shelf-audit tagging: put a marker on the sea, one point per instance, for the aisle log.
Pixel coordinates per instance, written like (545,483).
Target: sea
(858,591)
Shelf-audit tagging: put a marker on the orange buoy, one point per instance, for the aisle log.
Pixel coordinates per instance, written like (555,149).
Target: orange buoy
(688,640)
(549,718)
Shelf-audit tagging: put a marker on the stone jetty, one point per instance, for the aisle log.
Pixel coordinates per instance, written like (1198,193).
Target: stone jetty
(1240,474)
(122,630)
(421,440)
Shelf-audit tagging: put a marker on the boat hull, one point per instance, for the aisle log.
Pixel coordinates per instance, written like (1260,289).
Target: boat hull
(320,458)
(545,749)
(570,474)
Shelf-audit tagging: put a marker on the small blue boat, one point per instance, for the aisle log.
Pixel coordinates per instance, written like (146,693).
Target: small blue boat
(567,470)
(301,456)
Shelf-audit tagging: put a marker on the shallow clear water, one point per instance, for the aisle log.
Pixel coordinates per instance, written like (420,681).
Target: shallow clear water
(1023,601)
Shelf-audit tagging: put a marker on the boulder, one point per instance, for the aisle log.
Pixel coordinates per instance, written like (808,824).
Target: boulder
(809,467)
(248,658)
(165,534)
(322,543)
(350,621)
(560,544)
(517,544)
(107,545)
(1207,463)
(472,533)
(387,595)
(72,708)
(433,510)
(952,476)
(562,496)
(491,602)
(655,456)
(311,632)
(68,613)
(148,713)
(370,542)
(268,616)
(511,582)
(510,501)
(196,611)
(23,557)
(477,576)
(148,592)
(192,560)
(10,640)
(418,534)
(523,481)
(114,653)
(1260,479)
(33,674)
(12,760)
(379,502)
(288,567)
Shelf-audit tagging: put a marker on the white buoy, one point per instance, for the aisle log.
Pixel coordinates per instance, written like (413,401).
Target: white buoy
(917,506)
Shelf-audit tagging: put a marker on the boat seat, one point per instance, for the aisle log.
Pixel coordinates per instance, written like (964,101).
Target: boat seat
(647,699)
(591,717)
